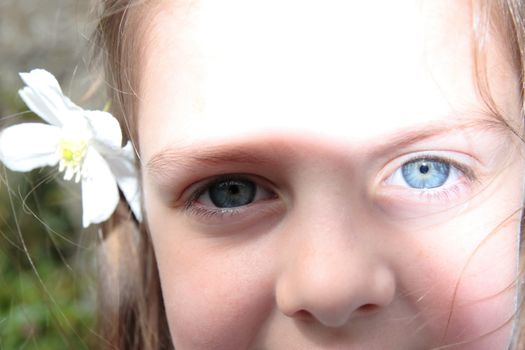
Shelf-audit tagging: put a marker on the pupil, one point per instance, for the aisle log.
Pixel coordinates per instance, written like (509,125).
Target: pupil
(423,169)
(234,189)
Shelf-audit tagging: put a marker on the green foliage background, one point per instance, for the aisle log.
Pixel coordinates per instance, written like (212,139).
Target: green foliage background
(47,289)
(46,294)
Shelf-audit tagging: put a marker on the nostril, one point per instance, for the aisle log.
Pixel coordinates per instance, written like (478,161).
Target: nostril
(304,315)
(367,308)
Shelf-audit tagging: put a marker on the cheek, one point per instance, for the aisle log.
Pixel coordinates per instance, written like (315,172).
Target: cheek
(217,294)
(464,284)
(485,294)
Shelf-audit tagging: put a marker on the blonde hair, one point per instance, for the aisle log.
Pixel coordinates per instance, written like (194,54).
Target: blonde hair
(132,311)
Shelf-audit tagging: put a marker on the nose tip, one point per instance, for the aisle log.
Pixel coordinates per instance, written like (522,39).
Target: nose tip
(334,299)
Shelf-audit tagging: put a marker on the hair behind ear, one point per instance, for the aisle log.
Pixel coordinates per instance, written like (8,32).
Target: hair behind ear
(131,310)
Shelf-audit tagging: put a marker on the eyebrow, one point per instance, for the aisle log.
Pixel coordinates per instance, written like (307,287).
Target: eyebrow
(260,153)
(207,156)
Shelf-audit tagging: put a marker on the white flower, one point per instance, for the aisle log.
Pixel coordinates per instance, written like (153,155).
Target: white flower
(86,145)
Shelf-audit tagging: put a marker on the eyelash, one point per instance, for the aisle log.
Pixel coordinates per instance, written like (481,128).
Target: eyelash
(441,193)
(214,213)
(218,213)
(465,170)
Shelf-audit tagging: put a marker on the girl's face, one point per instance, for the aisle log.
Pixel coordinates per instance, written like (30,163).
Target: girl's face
(325,175)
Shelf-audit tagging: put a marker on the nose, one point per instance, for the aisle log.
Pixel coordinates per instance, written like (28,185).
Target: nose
(330,275)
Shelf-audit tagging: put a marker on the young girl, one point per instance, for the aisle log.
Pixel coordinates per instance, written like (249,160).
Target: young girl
(316,175)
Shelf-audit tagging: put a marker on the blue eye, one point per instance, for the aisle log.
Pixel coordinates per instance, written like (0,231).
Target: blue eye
(232,198)
(229,192)
(425,173)
(435,178)
(232,193)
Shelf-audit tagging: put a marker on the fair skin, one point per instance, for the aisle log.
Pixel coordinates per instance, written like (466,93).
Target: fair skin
(313,108)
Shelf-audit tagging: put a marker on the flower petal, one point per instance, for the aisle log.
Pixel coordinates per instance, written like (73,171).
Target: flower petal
(27,146)
(99,190)
(44,97)
(106,131)
(125,171)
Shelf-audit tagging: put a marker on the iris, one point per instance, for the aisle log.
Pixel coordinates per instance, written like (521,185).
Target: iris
(232,193)
(425,173)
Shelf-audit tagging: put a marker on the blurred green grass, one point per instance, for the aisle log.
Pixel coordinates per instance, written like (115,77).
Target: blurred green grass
(46,286)
(47,289)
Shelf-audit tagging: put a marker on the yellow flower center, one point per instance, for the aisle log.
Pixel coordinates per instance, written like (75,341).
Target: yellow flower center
(72,153)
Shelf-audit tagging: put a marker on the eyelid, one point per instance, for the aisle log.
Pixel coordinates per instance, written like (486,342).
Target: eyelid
(462,162)
(221,220)
(465,170)
(397,198)
(198,189)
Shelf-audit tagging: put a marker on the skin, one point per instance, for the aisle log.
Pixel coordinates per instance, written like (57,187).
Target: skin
(319,104)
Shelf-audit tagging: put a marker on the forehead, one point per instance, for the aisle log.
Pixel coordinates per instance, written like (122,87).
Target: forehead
(352,71)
